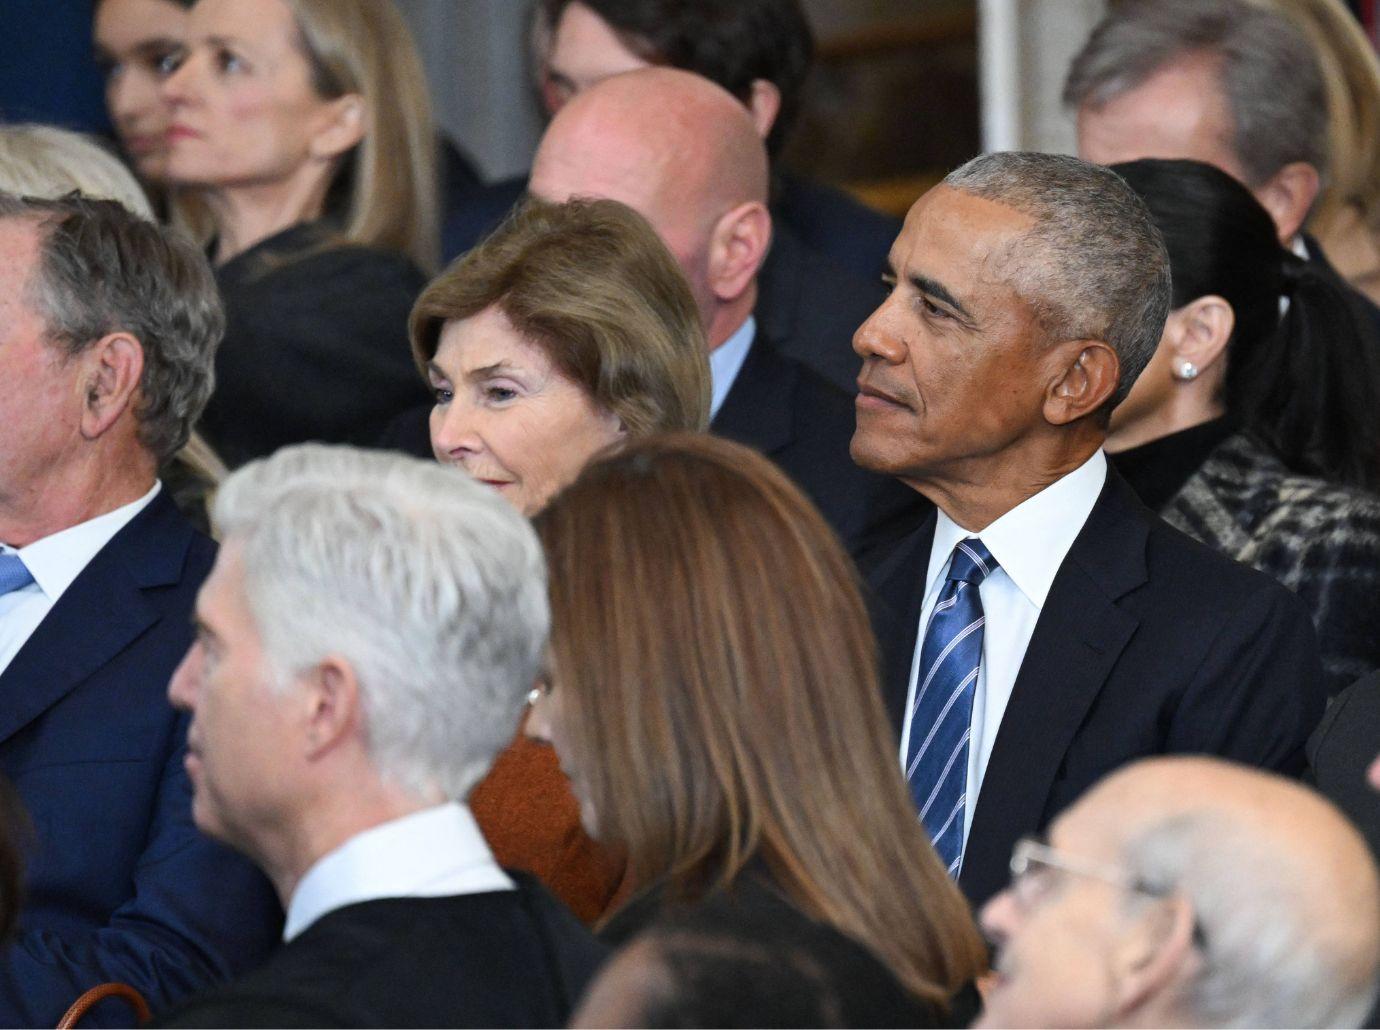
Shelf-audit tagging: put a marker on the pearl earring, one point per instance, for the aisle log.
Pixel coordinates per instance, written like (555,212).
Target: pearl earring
(1187,370)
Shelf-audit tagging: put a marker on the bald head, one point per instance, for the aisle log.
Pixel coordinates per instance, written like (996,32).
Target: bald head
(1282,887)
(679,150)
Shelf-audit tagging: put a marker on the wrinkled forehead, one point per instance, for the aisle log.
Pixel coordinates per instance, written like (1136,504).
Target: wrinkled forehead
(963,241)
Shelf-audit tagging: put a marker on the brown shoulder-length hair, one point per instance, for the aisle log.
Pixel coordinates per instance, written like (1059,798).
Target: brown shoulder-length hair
(718,684)
(591,283)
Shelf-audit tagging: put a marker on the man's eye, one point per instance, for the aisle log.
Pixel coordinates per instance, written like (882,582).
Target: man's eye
(931,309)
(889,281)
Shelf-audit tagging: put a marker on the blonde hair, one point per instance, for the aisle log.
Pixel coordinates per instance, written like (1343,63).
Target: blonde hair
(719,689)
(364,47)
(591,283)
(44,161)
(1351,80)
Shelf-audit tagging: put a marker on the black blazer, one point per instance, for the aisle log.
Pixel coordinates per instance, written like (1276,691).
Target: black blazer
(804,424)
(1148,643)
(500,958)
(1341,750)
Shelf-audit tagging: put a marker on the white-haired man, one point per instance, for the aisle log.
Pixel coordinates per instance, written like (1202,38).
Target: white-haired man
(1188,892)
(365,644)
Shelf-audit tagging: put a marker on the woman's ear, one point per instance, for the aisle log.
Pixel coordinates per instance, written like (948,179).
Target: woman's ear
(1197,335)
(341,128)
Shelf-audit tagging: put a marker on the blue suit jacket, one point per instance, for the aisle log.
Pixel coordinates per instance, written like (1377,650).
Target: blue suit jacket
(121,885)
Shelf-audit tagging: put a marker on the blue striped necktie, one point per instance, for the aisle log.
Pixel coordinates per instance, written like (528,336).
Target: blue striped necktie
(942,714)
(14,574)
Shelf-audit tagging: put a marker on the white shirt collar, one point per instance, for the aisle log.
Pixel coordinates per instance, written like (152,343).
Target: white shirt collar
(1031,540)
(726,361)
(57,560)
(1300,247)
(436,852)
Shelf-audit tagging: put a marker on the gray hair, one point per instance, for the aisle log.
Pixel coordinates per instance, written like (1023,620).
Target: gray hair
(45,161)
(1270,77)
(1093,266)
(1266,962)
(429,584)
(103,269)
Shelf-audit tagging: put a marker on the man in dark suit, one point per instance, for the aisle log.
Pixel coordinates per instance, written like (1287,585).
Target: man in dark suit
(822,274)
(1344,756)
(1232,83)
(1042,627)
(108,327)
(685,155)
(365,647)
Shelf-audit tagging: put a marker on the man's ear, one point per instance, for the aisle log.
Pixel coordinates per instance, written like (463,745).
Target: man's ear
(1288,195)
(341,127)
(112,369)
(737,248)
(333,706)
(1157,953)
(1084,376)
(764,105)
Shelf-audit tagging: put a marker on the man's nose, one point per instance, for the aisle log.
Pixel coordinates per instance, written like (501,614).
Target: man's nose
(182,686)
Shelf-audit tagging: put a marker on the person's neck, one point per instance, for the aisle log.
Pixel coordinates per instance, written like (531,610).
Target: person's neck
(1184,412)
(977,492)
(330,820)
(248,215)
(729,318)
(68,496)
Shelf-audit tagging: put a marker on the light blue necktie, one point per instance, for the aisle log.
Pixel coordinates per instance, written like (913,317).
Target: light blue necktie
(14,574)
(941,718)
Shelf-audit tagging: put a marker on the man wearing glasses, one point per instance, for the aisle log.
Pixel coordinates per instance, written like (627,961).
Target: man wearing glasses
(1188,892)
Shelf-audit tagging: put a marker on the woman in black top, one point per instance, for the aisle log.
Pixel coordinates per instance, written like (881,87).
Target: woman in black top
(303,127)
(1256,433)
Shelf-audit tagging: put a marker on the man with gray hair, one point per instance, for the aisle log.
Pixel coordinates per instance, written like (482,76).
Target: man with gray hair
(1231,83)
(1043,628)
(365,646)
(108,328)
(1188,892)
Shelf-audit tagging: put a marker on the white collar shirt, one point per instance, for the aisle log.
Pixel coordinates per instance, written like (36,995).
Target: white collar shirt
(726,361)
(55,562)
(1030,543)
(436,852)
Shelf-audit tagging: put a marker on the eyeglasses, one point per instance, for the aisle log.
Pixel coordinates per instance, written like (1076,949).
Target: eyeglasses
(1033,864)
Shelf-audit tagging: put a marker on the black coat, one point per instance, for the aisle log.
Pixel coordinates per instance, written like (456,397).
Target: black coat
(501,958)
(1148,643)
(1341,750)
(804,424)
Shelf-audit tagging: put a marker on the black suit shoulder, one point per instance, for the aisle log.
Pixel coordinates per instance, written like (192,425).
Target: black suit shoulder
(805,424)
(1341,750)
(501,958)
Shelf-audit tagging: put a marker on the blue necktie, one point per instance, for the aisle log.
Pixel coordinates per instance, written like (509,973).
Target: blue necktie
(941,719)
(14,574)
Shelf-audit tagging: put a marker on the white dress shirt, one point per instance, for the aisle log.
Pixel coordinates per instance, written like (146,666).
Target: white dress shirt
(1029,542)
(437,852)
(55,562)
(726,361)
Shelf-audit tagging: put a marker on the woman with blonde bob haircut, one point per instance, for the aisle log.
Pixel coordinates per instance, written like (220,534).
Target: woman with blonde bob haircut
(303,129)
(585,331)
(569,330)
(714,699)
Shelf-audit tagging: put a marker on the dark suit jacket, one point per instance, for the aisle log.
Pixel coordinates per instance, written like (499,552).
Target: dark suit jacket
(1363,305)
(121,885)
(1148,643)
(1341,750)
(807,301)
(804,424)
(503,958)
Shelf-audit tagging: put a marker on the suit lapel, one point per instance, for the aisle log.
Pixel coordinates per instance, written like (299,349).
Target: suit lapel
(97,617)
(1080,635)
(758,408)
(896,596)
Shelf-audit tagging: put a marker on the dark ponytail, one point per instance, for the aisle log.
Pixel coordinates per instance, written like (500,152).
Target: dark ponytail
(1306,386)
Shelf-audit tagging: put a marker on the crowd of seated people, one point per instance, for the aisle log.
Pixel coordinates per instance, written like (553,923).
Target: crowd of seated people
(646,620)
